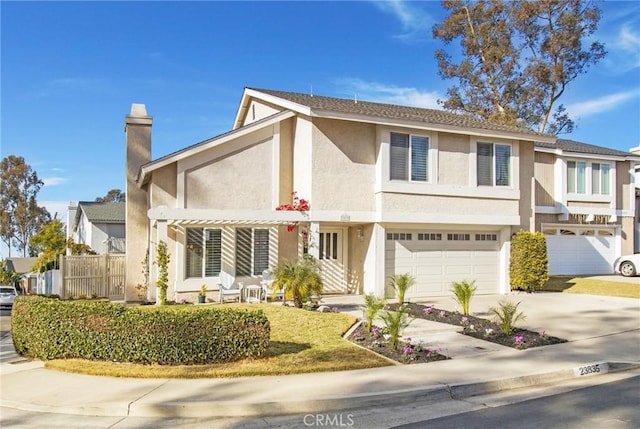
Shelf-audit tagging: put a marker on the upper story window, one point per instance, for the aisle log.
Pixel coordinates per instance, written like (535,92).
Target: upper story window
(203,253)
(494,164)
(579,171)
(409,157)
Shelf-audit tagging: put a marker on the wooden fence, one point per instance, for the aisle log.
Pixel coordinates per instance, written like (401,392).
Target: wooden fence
(93,275)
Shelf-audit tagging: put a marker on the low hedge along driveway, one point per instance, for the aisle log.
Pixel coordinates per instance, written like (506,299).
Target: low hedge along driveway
(46,328)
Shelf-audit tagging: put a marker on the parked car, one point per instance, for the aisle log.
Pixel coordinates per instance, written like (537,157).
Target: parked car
(628,265)
(7,295)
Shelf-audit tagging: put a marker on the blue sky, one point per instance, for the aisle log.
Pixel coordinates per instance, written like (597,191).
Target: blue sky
(70,71)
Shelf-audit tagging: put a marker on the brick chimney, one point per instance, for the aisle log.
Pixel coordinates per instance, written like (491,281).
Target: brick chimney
(137,128)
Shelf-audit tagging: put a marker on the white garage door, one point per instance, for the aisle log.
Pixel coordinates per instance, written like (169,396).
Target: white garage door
(579,250)
(437,259)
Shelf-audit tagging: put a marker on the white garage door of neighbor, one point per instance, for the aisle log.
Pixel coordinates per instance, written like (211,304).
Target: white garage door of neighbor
(437,259)
(574,250)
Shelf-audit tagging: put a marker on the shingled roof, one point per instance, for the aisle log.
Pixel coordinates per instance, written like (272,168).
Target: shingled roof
(578,147)
(102,212)
(395,112)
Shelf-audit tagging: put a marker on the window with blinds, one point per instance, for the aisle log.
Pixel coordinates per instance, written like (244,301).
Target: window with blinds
(409,157)
(252,251)
(203,252)
(213,253)
(493,164)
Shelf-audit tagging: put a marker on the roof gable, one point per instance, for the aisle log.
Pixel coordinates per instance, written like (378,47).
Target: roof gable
(97,212)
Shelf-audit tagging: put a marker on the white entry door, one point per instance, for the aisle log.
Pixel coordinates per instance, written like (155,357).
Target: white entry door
(331,259)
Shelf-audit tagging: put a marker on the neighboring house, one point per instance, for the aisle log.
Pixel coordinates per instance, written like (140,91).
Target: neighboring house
(585,204)
(101,226)
(24,267)
(392,189)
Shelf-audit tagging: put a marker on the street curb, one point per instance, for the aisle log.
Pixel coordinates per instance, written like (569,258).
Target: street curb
(425,394)
(465,390)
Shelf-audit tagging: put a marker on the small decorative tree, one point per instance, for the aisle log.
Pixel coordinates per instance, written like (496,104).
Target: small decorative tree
(162,259)
(528,264)
(400,284)
(395,322)
(507,315)
(300,280)
(463,291)
(370,309)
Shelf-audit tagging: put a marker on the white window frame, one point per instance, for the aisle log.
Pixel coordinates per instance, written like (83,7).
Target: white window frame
(252,254)
(204,253)
(512,175)
(588,179)
(409,159)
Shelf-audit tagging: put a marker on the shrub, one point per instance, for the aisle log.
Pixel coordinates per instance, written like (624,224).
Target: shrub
(400,284)
(463,292)
(371,308)
(300,280)
(163,259)
(395,322)
(507,314)
(53,329)
(528,264)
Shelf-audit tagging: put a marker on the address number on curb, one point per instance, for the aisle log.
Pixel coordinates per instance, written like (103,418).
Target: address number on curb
(593,369)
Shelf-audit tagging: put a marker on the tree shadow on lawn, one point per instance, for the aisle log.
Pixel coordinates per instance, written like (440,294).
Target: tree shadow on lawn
(559,283)
(279,348)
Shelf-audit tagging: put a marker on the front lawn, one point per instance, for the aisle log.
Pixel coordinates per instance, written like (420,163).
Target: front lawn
(301,341)
(569,284)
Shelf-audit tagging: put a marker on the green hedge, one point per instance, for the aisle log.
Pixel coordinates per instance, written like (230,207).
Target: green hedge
(529,264)
(46,329)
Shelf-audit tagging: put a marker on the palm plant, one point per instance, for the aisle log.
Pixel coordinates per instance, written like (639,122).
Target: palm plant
(463,291)
(395,321)
(300,280)
(371,308)
(507,314)
(400,284)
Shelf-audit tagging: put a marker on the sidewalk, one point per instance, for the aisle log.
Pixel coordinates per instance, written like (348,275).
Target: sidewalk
(600,330)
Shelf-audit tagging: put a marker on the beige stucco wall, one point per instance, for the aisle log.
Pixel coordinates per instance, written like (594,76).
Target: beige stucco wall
(526,157)
(443,205)
(628,230)
(259,110)
(138,152)
(588,204)
(285,168)
(344,157)
(239,181)
(543,171)
(453,159)
(357,256)
(624,201)
(163,186)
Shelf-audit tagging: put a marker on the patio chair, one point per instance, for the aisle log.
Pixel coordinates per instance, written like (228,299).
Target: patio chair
(229,289)
(267,286)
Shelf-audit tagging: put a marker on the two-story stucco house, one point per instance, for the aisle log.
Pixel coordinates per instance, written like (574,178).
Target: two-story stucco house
(99,225)
(392,189)
(585,205)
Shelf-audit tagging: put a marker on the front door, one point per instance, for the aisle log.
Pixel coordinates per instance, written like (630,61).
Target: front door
(331,260)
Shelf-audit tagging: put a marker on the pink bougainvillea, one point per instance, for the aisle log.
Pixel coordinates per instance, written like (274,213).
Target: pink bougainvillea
(297,204)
